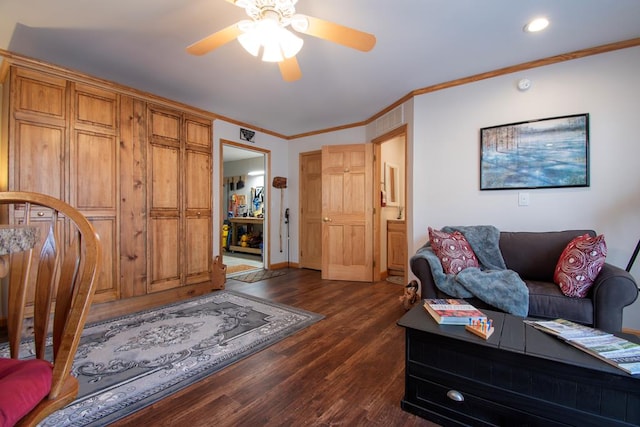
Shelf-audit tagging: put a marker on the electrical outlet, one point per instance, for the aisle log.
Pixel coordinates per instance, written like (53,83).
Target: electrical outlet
(523,199)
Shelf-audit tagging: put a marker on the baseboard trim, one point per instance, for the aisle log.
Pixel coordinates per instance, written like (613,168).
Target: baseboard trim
(280,265)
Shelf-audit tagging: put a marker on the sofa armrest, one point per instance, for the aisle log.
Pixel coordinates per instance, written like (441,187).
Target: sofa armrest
(420,267)
(612,291)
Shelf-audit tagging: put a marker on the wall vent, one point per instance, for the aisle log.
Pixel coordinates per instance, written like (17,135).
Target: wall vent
(389,121)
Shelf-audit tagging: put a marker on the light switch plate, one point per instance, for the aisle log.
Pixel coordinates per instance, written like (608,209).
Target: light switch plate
(523,199)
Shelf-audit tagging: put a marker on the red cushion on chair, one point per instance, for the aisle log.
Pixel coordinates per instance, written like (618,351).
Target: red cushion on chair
(23,384)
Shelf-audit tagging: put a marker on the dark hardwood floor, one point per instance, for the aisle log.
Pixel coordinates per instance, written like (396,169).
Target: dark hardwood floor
(346,370)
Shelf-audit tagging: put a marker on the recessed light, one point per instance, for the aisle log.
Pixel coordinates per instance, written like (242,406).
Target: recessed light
(536,25)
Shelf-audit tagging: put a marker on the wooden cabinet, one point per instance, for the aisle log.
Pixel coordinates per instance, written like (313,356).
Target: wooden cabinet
(63,142)
(139,170)
(396,247)
(179,183)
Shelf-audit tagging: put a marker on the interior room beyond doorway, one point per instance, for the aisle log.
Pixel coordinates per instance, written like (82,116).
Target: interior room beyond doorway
(243,204)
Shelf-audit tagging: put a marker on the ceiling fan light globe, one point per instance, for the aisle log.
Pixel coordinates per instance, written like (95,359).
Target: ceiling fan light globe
(290,43)
(246,25)
(250,41)
(299,23)
(272,52)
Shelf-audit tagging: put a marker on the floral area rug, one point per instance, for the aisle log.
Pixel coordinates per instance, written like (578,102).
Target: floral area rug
(128,363)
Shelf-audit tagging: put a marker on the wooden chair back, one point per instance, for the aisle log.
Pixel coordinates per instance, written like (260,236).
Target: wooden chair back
(53,284)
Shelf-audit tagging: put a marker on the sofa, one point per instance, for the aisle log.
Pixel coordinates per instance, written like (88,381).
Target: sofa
(534,255)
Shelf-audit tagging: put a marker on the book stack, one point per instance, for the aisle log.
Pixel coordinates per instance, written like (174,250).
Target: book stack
(453,311)
(616,351)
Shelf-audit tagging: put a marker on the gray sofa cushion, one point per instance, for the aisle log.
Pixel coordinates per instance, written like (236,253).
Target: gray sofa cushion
(547,300)
(534,255)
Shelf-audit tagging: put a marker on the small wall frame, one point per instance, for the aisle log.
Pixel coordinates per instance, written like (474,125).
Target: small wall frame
(392,184)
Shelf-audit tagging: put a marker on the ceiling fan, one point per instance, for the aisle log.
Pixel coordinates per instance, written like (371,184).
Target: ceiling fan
(267,31)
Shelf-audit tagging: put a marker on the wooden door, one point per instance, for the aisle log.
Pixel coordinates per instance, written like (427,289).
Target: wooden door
(197,189)
(311,210)
(93,175)
(347,212)
(164,200)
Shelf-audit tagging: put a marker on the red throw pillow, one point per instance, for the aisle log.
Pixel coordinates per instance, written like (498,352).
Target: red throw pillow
(579,265)
(454,251)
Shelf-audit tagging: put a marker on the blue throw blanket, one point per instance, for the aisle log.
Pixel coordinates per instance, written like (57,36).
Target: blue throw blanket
(491,283)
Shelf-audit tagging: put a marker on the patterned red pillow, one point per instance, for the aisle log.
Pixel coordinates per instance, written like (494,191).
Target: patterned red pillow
(579,265)
(454,251)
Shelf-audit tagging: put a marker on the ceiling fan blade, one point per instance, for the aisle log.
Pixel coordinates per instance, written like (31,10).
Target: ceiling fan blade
(290,69)
(340,34)
(215,40)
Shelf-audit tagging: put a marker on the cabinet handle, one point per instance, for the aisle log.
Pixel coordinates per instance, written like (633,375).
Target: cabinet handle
(198,213)
(455,395)
(40,213)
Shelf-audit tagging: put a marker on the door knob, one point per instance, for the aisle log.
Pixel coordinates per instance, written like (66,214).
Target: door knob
(326,219)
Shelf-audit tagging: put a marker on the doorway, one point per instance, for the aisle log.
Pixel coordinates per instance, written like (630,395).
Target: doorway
(244,235)
(390,237)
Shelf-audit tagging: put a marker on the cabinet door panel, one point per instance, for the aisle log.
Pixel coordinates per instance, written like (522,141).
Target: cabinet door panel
(198,249)
(107,289)
(95,108)
(198,181)
(164,126)
(164,266)
(198,134)
(40,93)
(39,166)
(164,177)
(94,171)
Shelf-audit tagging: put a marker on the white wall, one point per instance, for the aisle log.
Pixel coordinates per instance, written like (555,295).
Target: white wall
(278,166)
(445,150)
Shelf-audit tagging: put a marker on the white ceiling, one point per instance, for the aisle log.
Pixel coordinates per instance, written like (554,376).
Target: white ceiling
(141,43)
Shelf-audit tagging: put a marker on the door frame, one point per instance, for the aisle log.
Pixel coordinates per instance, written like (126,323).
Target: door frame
(266,256)
(400,131)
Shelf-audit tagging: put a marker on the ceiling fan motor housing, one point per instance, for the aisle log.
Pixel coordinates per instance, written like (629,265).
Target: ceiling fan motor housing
(267,9)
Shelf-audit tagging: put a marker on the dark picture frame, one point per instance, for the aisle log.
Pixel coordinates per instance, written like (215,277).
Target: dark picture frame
(545,153)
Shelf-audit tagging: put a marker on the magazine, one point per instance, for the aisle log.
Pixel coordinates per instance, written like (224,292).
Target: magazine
(607,347)
(453,311)
(565,328)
